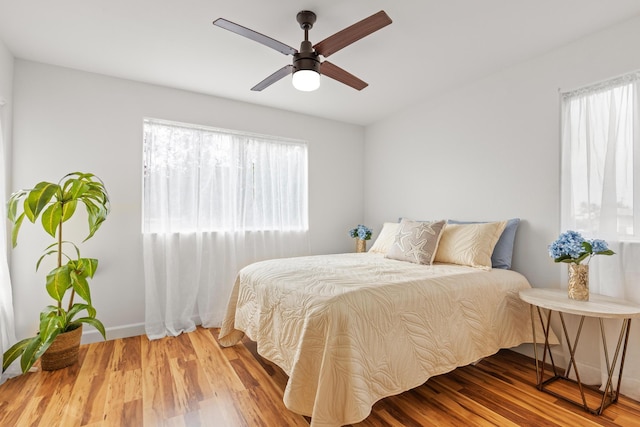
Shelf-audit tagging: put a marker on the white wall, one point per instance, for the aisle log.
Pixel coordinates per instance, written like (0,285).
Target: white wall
(66,120)
(491,151)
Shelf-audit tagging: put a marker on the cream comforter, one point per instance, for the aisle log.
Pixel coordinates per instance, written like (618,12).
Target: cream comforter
(350,329)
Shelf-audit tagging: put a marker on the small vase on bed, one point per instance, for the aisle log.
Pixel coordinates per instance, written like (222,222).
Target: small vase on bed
(361,233)
(572,248)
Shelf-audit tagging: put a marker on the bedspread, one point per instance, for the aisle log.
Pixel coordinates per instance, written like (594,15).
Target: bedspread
(350,329)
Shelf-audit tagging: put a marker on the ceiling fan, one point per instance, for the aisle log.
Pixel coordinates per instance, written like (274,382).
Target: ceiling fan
(307,65)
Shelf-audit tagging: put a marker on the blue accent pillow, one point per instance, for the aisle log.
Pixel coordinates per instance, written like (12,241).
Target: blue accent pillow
(503,251)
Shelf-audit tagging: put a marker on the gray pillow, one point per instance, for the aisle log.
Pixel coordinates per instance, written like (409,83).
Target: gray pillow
(416,241)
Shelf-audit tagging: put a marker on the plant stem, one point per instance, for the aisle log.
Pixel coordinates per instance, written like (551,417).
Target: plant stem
(60,265)
(73,294)
(60,260)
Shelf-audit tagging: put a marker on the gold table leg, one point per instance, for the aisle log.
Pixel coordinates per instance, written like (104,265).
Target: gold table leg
(609,395)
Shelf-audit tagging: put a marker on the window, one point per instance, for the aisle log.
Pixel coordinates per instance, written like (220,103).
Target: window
(600,192)
(601,163)
(205,179)
(214,202)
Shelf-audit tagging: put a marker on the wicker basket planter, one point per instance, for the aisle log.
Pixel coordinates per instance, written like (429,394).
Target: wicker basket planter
(63,352)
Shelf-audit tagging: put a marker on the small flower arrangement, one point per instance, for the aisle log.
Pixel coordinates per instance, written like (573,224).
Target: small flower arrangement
(361,232)
(571,247)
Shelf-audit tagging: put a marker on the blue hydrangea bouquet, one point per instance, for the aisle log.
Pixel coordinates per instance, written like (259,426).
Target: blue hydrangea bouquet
(361,232)
(571,247)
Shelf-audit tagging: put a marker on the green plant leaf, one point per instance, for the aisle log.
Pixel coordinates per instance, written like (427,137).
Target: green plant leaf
(83,176)
(38,198)
(43,256)
(91,311)
(76,189)
(68,209)
(96,215)
(78,307)
(50,310)
(96,201)
(81,286)
(50,326)
(58,281)
(14,352)
(12,204)
(51,218)
(100,200)
(88,266)
(582,257)
(607,252)
(40,343)
(67,243)
(16,229)
(55,251)
(93,322)
(27,211)
(77,250)
(29,354)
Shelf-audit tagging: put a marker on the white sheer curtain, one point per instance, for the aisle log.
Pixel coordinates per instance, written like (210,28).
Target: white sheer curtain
(601,195)
(214,202)
(7,327)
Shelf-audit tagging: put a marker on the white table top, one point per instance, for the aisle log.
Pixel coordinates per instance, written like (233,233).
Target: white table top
(597,306)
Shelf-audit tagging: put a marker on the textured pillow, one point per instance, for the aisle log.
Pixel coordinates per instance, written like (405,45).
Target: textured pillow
(386,238)
(503,252)
(469,244)
(416,241)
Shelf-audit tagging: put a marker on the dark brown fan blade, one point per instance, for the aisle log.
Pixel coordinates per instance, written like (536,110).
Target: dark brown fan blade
(337,73)
(282,72)
(351,34)
(255,36)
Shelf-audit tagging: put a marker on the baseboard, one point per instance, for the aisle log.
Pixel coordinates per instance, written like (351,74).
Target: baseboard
(588,373)
(527,350)
(91,335)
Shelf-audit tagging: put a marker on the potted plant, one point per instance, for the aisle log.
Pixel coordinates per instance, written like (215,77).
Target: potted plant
(62,322)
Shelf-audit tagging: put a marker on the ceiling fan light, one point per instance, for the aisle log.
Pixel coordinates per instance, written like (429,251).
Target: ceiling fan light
(306,80)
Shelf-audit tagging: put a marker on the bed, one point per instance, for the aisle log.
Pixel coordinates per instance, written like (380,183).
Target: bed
(350,329)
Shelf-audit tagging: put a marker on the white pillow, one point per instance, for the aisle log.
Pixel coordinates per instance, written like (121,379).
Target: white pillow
(469,244)
(385,238)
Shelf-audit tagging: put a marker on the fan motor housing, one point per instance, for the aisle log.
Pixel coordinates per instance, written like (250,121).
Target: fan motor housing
(306,59)
(306,63)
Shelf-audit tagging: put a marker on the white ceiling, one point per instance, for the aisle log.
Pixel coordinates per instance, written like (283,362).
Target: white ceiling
(432,45)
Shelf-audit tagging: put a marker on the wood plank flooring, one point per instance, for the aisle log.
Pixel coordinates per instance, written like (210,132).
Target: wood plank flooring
(190,381)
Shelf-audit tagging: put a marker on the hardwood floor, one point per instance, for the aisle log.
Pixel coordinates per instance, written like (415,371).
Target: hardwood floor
(190,381)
